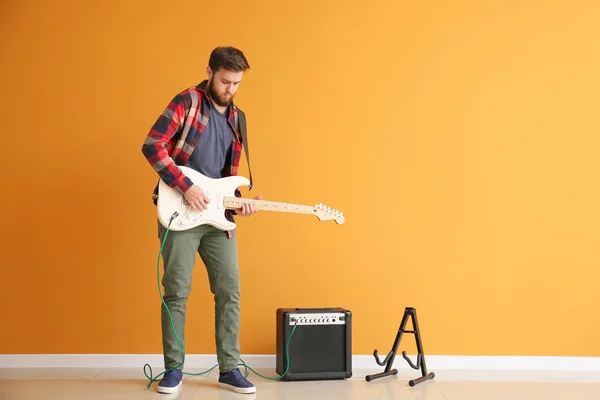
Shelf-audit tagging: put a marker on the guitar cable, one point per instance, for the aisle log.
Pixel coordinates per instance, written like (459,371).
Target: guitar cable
(242,363)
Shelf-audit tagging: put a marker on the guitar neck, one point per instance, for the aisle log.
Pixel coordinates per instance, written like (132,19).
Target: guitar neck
(237,202)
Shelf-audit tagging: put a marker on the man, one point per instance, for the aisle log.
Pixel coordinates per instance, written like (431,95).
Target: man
(198,129)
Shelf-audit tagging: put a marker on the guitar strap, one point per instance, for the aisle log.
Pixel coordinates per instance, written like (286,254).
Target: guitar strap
(242,128)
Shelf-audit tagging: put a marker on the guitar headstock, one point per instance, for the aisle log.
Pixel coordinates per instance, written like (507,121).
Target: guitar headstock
(324,213)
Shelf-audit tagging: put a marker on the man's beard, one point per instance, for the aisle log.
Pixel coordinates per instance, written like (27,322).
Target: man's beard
(223,100)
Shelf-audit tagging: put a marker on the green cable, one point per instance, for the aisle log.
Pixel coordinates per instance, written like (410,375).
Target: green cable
(246,367)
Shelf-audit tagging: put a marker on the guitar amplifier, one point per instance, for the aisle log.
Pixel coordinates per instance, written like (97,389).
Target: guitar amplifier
(320,347)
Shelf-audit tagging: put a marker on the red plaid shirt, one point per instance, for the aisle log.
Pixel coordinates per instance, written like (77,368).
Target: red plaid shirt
(176,132)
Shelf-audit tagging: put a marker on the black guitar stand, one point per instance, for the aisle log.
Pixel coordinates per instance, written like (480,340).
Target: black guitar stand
(389,359)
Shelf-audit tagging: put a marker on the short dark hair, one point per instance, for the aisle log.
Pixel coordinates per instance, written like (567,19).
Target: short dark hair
(229,58)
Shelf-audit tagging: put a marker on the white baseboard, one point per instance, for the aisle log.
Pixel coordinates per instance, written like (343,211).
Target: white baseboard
(434,362)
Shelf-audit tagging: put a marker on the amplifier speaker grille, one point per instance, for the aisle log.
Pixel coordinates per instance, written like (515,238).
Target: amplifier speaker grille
(321,346)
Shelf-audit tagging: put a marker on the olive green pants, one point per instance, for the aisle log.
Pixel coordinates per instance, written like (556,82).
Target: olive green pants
(219,254)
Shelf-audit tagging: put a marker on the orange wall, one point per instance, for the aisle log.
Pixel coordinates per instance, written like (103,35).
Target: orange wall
(461,140)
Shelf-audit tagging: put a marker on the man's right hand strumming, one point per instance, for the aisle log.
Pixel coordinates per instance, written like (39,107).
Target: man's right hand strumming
(196,198)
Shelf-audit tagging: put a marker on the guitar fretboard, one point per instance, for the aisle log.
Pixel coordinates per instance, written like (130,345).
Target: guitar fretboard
(237,202)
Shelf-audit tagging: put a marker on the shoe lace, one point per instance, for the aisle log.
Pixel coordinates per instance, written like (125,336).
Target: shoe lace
(237,375)
(172,374)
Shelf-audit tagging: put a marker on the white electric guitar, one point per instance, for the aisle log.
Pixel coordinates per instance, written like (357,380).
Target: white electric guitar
(173,209)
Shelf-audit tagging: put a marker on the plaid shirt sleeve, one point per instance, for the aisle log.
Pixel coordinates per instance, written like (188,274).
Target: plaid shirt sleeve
(159,141)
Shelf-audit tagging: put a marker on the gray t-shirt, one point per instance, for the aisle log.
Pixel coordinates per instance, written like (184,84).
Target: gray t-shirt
(213,148)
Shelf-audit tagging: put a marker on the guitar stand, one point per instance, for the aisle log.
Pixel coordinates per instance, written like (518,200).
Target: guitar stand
(389,359)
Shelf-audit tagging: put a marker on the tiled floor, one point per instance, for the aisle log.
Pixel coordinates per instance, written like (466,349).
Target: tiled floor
(117,384)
